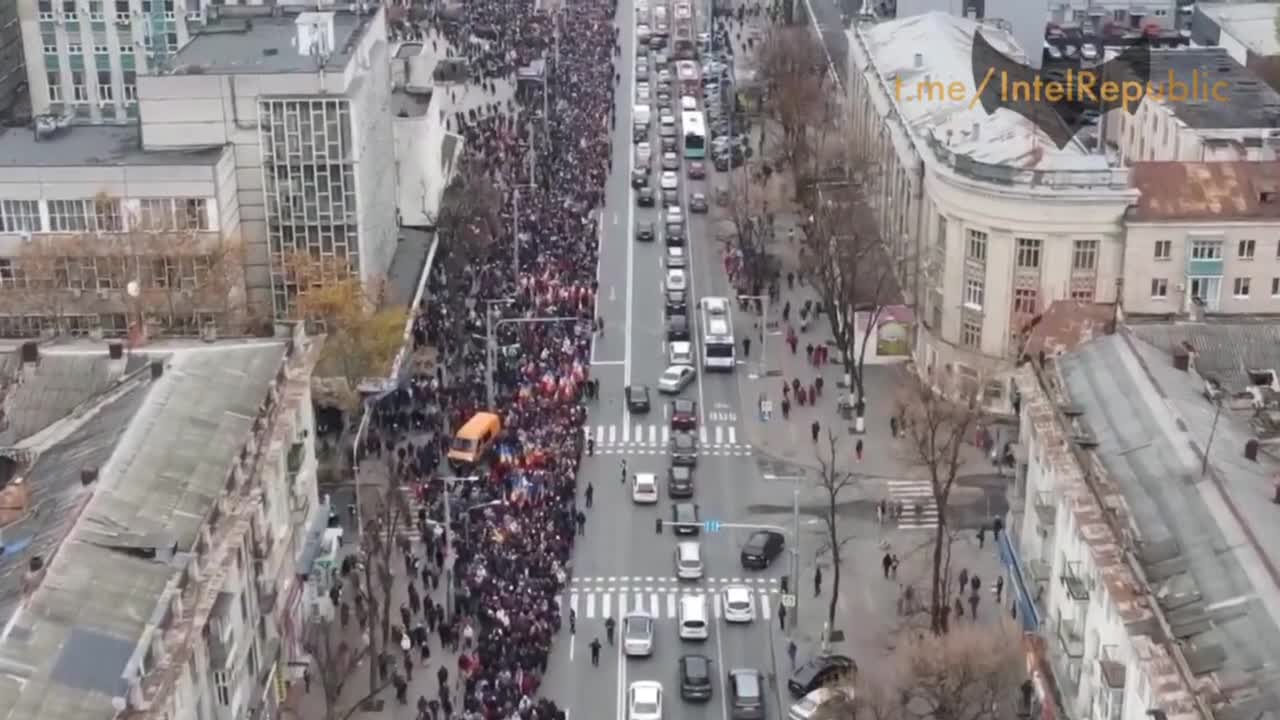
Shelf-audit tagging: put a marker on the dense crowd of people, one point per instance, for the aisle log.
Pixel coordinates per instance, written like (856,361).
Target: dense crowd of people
(514,524)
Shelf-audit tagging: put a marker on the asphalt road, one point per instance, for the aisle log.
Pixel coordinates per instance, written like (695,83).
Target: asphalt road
(621,563)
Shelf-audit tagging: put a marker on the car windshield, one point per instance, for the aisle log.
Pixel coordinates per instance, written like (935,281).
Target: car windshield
(462,444)
(683,407)
(646,708)
(684,442)
(638,627)
(672,374)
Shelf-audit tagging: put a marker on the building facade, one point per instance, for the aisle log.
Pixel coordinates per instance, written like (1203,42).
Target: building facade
(1203,239)
(986,219)
(1236,118)
(101,239)
(14,102)
(303,100)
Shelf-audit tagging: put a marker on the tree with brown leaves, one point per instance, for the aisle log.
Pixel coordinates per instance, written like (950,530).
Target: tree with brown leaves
(937,416)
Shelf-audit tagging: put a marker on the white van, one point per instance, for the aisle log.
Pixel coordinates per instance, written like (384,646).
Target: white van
(688,104)
(693,618)
(688,560)
(640,116)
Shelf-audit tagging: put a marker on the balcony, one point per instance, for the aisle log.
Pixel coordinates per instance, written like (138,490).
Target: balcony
(1204,267)
(1071,638)
(297,453)
(1046,509)
(1077,588)
(1111,668)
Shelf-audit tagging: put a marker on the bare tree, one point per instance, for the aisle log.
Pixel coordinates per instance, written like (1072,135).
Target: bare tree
(377,550)
(469,220)
(852,275)
(793,67)
(336,660)
(834,482)
(970,673)
(937,415)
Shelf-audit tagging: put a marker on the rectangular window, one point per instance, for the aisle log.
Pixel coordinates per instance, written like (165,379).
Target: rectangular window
(973,292)
(1029,253)
(171,40)
(9,277)
(971,333)
(95,9)
(55,85)
(1082,294)
(1024,301)
(69,216)
(50,43)
(107,215)
(104,86)
(79,93)
(45,8)
(222,688)
(1206,250)
(1085,255)
(130,86)
(19,216)
(1240,287)
(1159,288)
(69,9)
(1206,291)
(976,247)
(1164,249)
(1245,249)
(173,214)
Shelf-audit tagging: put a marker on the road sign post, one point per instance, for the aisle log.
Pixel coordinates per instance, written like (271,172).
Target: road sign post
(788,600)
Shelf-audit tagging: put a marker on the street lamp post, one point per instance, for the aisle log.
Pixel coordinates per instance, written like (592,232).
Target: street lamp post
(795,542)
(450,557)
(764,330)
(491,344)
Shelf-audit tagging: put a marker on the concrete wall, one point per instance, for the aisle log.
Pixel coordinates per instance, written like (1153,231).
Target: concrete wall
(1142,266)
(421,172)
(375,151)
(1154,133)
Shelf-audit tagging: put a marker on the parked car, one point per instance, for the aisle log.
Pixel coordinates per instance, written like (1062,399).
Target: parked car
(698,203)
(820,672)
(645,196)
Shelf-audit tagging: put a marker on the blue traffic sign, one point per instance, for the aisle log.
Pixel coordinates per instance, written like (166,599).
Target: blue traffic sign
(711,525)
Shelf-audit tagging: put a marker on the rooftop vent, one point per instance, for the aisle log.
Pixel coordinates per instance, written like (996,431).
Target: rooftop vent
(314,34)
(918,61)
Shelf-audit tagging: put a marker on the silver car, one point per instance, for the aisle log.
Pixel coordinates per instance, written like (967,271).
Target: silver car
(637,634)
(676,378)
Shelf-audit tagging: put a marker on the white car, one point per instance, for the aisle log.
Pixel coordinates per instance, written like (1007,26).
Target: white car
(676,257)
(675,214)
(680,352)
(669,180)
(642,92)
(715,306)
(677,280)
(637,634)
(644,489)
(688,104)
(824,698)
(688,560)
(643,32)
(644,700)
(738,604)
(676,378)
(664,76)
(644,151)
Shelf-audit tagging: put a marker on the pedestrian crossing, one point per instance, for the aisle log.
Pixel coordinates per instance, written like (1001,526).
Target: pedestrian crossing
(662,605)
(910,494)
(653,439)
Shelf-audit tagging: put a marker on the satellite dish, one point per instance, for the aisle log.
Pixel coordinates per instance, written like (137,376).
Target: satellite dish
(132,289)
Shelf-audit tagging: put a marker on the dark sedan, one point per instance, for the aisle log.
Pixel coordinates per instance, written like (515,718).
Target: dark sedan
(697,170)
(686,514)
(644,231)
(684,414)
(638,398)
(674,232)
(680,481)
(820,672)
(761,548)
(639,178)
(645,196)
(695,677)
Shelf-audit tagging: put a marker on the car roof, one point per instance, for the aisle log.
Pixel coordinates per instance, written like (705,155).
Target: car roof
(639,614)
(742,590)
(682,404)
(700,663)
(646,477)
(646,690)
(638,389)
(685,507)
(680,470)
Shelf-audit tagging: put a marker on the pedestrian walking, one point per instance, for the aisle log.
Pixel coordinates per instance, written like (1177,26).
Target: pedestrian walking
(791,653)
(782,618)
(964,578)
(817,581)
(893,426)
(887,563)
(746,346)
(595,652)
(573,621)
(581,517)
(998,588)
(975,583)
(590,494)
(973,605)
(857,449)
(813,429)
(893,570)
(982,537)
(591,447)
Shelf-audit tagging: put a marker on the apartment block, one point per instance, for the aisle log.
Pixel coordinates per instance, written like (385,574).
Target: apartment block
(1234,116)
(1203,239)
(1137,547)
(170,530)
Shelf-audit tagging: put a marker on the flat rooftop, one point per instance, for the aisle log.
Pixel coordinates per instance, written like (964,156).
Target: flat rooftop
(938,47)
(1207,541)
(162,448)
(1251,103)
(1250,24)
(244,44)
(80,145)
(1205,191)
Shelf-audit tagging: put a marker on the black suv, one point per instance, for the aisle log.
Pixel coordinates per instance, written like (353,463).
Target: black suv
(761,548)
(819,672)
(677,303)
(677,328)
(644,231)
(695,677)
(685,512)
(645,197)
(680,481)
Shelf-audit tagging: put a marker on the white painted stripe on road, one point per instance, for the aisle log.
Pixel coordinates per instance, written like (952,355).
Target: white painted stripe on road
(765,611)
(654,605)
(600,434)
(640,602)
(715,605)
(605,600)
(719,434)
(639,433)
(626,432)
(573,603)
(591,605)
(702,434)
(653,434)
(733,432)
(622,604)
(671,604)
(666,434)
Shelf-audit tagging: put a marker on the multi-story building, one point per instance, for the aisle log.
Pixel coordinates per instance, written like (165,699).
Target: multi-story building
(1203,238)
(1130,14)
(14,103)
(1246,30)
(1140,541)
(987,220)
(303,99)
(1242,122)
(158,538)
(98,236)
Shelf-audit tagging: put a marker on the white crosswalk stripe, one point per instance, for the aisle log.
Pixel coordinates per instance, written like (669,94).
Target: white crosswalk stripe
(912,494)
(658,436)
(665,605)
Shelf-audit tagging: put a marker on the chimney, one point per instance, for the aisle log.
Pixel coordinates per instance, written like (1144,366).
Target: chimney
(1181,359)
(977,131)
(115,350)
(314,34)
(157,369)
(30,352)
(918,61)
(88,476)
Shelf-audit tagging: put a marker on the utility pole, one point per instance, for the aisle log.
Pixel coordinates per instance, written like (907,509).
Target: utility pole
(795,542)
(450,557)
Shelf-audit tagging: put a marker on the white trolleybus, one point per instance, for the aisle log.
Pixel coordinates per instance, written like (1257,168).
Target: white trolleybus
(717,334)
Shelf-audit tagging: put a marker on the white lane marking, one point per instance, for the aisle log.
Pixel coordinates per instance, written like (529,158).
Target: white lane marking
(653,434)
(719,434)
(605,600)
(666,434)
(671,605)
(702,434)
(626,431)
(765,611)
(724,702)
(639,433)
(573,603)
(715,605)
(600,434)
(591,605)
(640,602)
(733,440)
(622,604)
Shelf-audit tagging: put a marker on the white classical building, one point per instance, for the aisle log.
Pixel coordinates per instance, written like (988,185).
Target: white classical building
(986,219)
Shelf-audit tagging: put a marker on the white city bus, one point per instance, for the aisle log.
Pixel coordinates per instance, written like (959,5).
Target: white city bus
(718,346)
